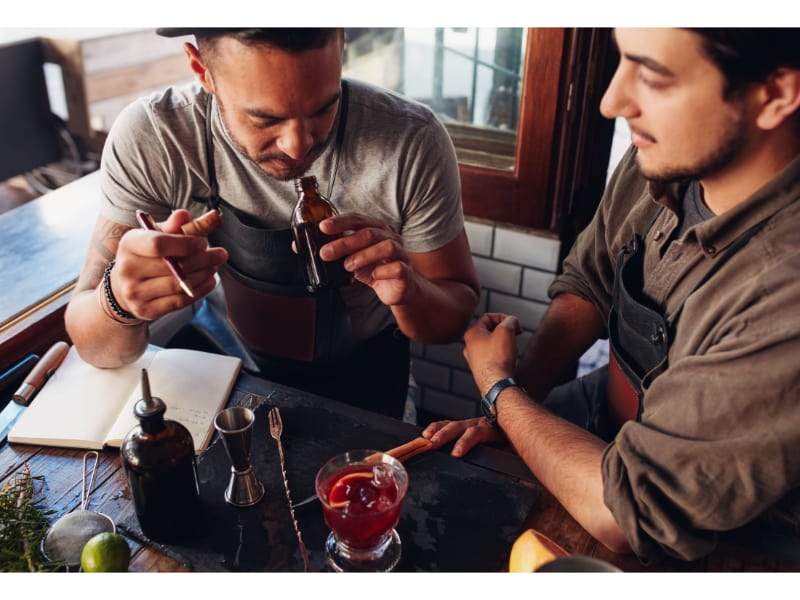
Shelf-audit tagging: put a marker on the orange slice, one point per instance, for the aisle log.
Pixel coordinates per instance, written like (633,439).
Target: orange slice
(531,550)
(337,497)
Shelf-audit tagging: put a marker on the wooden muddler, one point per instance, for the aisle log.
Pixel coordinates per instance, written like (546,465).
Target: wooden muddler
(409,449)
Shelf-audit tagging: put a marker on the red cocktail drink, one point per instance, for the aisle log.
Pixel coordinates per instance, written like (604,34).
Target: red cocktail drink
(361,493)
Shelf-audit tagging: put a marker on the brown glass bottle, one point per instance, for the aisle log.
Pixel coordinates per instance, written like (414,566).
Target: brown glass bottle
(312,208)
(159,461)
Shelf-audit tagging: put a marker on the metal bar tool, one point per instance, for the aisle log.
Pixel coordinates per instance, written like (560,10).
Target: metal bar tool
(275,430)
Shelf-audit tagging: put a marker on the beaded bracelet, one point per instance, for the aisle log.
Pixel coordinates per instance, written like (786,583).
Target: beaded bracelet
(107,311)
(112,302)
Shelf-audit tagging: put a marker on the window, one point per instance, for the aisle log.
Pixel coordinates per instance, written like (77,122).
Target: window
(471,78)
(515,101)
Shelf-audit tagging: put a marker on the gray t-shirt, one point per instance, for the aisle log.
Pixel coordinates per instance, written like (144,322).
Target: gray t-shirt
(397,163)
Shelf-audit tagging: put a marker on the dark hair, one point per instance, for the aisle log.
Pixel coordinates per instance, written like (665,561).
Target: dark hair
(750,55)
(292,39)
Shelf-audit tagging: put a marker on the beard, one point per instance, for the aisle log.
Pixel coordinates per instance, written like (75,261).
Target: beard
(731,141)
(271,162)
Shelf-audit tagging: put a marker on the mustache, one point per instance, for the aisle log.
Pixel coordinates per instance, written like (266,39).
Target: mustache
(263,157)
(641,133)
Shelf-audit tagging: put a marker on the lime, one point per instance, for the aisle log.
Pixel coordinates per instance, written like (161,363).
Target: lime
(105,552)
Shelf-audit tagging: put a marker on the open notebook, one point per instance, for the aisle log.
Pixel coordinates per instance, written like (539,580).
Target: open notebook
(82,406)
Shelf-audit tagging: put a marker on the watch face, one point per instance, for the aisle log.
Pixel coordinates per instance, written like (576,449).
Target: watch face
(488,409)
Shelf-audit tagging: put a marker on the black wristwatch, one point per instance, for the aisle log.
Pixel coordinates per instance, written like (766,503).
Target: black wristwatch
(487,402)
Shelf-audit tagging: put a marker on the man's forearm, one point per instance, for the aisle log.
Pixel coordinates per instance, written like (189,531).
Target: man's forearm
(570,326)
(565,459)
(99,340)
(440,312)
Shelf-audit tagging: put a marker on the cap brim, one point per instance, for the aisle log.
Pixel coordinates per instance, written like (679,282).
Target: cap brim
(175,31)
(180,31)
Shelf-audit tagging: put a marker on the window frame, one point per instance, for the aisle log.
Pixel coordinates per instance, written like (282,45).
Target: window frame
(517,196)
(563,142)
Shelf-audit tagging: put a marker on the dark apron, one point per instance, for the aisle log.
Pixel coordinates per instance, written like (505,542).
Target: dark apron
(294,336)
(639,334)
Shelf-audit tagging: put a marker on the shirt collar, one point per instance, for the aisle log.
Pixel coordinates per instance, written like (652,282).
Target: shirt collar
(718,232)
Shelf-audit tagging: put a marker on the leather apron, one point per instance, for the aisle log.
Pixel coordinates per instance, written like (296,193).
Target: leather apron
(265,295)
(293,336)
(638,331)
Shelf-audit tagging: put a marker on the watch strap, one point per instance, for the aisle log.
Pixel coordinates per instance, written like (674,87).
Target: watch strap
(488,400)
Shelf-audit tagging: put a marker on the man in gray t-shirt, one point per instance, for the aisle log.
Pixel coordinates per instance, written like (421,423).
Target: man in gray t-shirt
(271,107)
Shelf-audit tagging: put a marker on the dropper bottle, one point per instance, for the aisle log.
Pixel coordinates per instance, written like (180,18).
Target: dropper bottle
(311,209)
(158,457)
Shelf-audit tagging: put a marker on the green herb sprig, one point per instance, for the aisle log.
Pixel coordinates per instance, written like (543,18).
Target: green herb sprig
(23,524)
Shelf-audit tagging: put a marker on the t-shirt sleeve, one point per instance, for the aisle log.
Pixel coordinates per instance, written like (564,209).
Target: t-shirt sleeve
(433,214)
(134,168)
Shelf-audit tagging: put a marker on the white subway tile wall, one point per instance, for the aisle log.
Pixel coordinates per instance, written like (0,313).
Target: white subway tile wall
(480,237)
(526,248)
(528,312)
(515,268)
(535,284)
(498,276)
(501,253)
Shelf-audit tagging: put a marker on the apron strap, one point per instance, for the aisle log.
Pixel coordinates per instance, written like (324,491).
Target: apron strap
(343,104)
(625,383)
(213,199)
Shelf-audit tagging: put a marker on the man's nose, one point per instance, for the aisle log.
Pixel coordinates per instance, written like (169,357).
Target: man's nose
(295,139)
(617,100)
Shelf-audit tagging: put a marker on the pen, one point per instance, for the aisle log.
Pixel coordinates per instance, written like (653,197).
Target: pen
(40,373)
(146,221)
(31,384)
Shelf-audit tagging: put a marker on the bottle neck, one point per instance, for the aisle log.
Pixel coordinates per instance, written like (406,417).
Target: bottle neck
(306,185)
(152,424)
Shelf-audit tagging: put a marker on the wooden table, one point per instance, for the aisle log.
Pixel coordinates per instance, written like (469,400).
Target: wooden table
(62,471)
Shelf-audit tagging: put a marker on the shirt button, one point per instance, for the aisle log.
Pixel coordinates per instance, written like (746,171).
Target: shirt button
(658,335)
(711,250)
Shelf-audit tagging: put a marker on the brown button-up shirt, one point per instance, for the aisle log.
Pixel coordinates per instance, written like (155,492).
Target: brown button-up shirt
(718,444)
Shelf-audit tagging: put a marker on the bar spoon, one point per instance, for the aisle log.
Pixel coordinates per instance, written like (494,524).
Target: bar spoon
(275,430)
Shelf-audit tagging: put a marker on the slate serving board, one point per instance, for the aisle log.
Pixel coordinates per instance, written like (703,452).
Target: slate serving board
(456,517)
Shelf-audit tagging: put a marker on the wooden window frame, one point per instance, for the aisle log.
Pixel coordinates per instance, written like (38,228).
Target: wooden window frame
(517,196)
(563,143)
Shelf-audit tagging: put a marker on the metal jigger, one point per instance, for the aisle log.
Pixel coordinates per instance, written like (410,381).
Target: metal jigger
(235,427)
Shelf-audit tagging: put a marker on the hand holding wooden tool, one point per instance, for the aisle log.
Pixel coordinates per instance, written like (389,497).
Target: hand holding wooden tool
(147,222)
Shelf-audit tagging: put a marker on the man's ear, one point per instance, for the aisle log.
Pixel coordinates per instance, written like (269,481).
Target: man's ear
(781,98)
(198,67)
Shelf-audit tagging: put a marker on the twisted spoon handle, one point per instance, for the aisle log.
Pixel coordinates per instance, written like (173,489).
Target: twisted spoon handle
(276,427)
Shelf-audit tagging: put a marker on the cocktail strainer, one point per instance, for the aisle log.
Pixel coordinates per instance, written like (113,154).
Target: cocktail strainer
(65,538)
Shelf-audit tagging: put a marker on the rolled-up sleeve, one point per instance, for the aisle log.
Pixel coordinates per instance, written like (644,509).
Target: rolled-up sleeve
(719,439)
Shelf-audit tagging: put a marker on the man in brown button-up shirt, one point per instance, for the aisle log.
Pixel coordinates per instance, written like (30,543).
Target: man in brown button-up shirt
(715,123)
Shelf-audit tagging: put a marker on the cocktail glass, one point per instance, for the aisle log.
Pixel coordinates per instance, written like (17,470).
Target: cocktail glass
(362,493)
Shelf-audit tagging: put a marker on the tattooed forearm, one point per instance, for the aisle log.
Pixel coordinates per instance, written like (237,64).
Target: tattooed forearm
(106,238)
(102,248)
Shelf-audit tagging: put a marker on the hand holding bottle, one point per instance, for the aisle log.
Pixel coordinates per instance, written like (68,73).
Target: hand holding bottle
(373,253)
